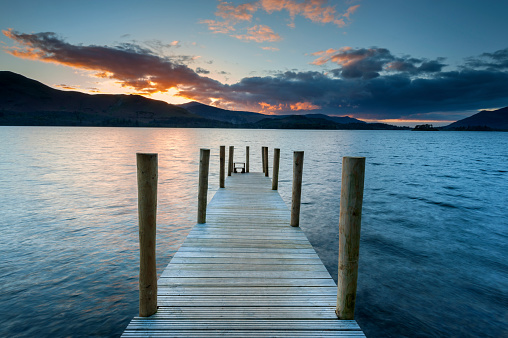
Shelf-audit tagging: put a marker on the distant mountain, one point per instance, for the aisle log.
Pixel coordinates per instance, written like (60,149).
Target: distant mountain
(484,120)
(219,114)
(306,122)
(24,101)
(336,119)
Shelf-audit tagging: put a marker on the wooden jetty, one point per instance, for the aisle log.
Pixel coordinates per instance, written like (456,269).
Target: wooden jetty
(245,273)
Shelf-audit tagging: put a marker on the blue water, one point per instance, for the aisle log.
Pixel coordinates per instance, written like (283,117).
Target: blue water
(434,245)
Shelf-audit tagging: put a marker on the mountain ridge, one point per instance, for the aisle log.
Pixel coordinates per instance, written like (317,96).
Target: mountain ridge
(483,121)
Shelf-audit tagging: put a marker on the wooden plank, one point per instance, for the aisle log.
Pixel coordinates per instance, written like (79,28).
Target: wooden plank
(260,282)
(251,291)
(245,273)
(240,333)
(238,324)
(245,267)
(246,260)
(238,312)
(253,255)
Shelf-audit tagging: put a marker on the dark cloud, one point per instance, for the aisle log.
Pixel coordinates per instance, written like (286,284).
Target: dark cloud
(493,61)
(368,83)
(372,62)
(132,65)
(200,70)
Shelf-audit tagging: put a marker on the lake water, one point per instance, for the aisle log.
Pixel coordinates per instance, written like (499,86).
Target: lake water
(434,242)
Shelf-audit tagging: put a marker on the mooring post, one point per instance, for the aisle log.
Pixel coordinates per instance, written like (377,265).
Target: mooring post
(351,197)
(247,159)
(222,161)
(230,163)
(297,188)
(266,161)
(263,158)
(204,161)
(147,172)
(275,176)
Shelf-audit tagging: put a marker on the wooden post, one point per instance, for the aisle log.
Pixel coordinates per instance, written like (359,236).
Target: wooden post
(275,176)
(351,197)
(222,160)
(230,163)
(247,159)
(297,188)
(147,172)
(266,161)
(263,158)
(204,161)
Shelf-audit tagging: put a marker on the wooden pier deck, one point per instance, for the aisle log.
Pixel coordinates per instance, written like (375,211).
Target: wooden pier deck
(245,273)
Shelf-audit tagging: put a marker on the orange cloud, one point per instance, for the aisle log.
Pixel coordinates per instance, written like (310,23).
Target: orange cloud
(223,27)
(339,56)
(241,12)
(67,87)
(267,108)
(303,106)
(314,10)
(131,65)
(259,33)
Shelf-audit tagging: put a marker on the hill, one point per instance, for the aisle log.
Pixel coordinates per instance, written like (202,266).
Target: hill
(219,114)
(24,101)
(484,120)
(306,122)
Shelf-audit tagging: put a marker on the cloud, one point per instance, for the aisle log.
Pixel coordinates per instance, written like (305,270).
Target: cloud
(368,63)
(67,87)
(259,33)
(369,83)
(273,49)
(271,109)
(200,70)
(131,65)
(241,12)
(493,61)
(222,27)
(315,10)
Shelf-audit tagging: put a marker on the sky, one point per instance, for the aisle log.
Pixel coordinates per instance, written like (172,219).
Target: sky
(403,62)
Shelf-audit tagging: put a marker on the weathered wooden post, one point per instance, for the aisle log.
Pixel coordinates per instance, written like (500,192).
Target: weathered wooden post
(297,188)
(351,197)
(263,158)
(230,163)
(266,161)
(204,161)
(275,176)
(222,161)
(247,159)
(147,173)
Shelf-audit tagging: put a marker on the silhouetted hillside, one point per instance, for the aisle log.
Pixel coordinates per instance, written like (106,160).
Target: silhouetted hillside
(219,114)
(28,102)
(483,121)
(305,122)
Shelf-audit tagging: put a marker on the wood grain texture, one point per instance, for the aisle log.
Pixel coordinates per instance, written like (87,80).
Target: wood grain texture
(147,174)
(245,273)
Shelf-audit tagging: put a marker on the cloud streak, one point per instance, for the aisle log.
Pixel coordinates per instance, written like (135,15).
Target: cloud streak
(316,11)
(259,33)
(369,83)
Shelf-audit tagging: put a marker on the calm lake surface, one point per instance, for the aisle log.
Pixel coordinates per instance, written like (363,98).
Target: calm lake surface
(434,242)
